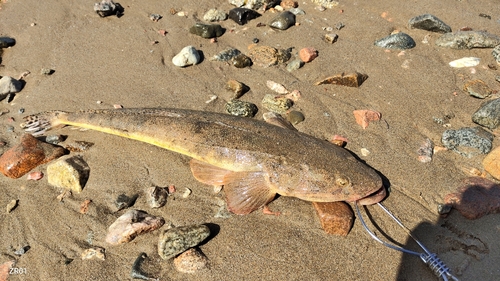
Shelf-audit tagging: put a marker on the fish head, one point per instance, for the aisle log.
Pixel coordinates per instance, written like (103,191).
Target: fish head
(349,181)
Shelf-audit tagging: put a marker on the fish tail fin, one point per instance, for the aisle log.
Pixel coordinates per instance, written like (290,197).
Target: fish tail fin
(38,124)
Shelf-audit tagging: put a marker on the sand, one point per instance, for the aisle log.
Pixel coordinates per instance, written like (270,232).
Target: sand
(113,60)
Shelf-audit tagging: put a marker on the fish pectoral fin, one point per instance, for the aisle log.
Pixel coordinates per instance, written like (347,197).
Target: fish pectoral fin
(208,174)
(246,192)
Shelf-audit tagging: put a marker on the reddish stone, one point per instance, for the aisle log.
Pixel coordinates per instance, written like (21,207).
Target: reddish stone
(287,4)
(131,224)
(477,197)
(27,155)
(308,54)
(336,217)
(364,117)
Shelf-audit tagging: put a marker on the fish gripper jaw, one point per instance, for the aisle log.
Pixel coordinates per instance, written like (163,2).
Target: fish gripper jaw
(437,266)
(430,259)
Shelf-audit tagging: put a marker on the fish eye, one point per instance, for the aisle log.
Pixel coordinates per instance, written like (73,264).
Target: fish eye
(342,181)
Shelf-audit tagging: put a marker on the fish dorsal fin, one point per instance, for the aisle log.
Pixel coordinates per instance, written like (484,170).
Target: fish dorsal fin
(246,192)
(208,174)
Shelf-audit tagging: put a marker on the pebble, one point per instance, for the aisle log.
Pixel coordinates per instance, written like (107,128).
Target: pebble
(283,21)
(339,25)
(264,56)
(465,62)
(491,163)
(425,151)
(123,201)
(364,151)
(11,206)
(9,85)
(288,4)
(238,88)
(476,138)
(78,146)
(214,15)
(295,117)
(207,30)
(475,198)
(277,120)
(130,225)
(444,209)
(241,108)
(69,172)
(241,61)
(157,196)
(297,11)
(326,3)
(364,117)
(496,53)
(430,23)
(155,17)
(351,79)
(54,139)
(35,176)
(308,54)
(477,88)
(243,15)
(488,115)
(84,206)
(336,218)
(187,192)
(278,88)
(254,4)
(6,42)
(176,240)
(186,57)
(21,251)
(284,55)
(294,65)
(331,38)
(226,55)
(94,253)
(277,104)
(28,154)
(191,261)
(397,41)
(467,40)
(105,8)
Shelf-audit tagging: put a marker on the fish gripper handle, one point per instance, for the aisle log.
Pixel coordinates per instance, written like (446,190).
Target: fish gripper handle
(437,266)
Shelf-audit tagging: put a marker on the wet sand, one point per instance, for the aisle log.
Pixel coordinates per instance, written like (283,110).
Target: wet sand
(113,60)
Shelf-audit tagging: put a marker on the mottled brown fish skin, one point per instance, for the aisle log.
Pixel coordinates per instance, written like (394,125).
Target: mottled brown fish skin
(294,164)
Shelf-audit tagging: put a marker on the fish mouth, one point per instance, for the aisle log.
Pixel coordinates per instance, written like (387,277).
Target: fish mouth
(373,198)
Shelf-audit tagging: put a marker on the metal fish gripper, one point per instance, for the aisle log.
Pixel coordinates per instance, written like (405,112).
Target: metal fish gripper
(437,266)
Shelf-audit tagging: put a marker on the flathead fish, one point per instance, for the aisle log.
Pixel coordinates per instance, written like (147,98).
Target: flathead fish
(252,159)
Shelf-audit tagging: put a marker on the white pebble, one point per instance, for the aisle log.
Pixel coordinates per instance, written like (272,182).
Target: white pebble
(186,193)
(365,152)
(465,62)
(187,56)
